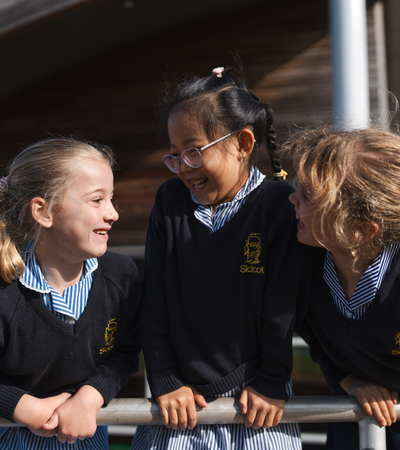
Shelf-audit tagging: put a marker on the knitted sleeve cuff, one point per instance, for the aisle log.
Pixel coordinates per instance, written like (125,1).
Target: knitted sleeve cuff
(269,388)
(10,396)
(164,382)
(104,385)
(333,374)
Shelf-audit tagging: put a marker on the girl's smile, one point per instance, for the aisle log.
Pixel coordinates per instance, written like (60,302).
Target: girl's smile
(223,171)
(80,226)
(310,225)
(300,224)
(308,217)
(198,184)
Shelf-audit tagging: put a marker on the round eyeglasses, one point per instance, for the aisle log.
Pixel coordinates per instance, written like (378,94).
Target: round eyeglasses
(190,156)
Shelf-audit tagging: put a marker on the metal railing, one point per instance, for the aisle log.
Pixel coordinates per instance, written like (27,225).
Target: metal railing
(225,410)
(142,411)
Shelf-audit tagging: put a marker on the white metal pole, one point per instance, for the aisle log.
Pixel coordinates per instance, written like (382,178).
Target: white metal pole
(224,410)
(372,436)
(348,23)
(142,411)
(147,391)
(381,63)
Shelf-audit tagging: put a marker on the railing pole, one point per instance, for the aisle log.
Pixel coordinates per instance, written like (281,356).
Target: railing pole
(348,25)
(224,410)
(372,436)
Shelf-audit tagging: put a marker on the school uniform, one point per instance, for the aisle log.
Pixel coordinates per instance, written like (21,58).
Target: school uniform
(218,310)
(44,352)
(360,337)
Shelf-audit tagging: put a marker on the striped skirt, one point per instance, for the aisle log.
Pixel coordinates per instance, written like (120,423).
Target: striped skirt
(284,436)
(20,438)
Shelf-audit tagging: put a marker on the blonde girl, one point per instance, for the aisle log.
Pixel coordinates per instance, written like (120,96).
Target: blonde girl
(348,203)
(68,308)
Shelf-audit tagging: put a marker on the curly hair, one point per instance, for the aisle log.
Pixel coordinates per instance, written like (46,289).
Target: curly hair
(354,177)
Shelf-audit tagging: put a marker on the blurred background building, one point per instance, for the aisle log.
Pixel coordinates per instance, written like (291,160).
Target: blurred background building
(95,69)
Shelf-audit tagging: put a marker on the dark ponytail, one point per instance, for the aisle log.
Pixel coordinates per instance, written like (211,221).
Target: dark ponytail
(222,104)
(270,137)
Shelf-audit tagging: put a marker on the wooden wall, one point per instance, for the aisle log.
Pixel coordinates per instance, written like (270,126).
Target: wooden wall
(284,45)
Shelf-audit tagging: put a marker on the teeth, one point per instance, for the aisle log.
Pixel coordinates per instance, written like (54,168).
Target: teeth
(198,182)
(101,232)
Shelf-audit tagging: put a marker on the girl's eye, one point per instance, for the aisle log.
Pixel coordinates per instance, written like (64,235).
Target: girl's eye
(97,200)
(304,193)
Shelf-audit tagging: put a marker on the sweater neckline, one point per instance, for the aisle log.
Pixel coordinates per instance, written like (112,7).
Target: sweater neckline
(210,239)
(359,325)
(57,324)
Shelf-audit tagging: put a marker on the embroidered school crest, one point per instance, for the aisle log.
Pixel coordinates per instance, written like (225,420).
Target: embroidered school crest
(252,251)
(252,248)
(109,336)
(397,342)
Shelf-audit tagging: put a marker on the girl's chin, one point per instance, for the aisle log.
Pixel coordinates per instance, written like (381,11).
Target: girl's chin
(303,238)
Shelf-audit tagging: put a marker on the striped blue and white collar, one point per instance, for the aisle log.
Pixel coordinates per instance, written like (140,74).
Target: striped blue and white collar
(33,278)
(366,288)
(254,180)
(216,218)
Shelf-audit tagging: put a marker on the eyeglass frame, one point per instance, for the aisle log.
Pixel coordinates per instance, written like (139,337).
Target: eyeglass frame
(200,150)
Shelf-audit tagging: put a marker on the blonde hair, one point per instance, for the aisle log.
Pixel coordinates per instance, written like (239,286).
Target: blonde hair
(43,170)
(354,177)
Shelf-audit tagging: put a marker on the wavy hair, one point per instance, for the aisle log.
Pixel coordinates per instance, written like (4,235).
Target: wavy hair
(354,177)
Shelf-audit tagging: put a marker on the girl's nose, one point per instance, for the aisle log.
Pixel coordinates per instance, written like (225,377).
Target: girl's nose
(184,166)
(112,214)
(293,198)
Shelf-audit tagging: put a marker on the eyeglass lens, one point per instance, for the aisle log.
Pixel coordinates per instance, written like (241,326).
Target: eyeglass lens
(191,157)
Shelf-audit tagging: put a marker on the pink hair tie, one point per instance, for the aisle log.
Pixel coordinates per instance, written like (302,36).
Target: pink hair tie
(218,71)
(3,188)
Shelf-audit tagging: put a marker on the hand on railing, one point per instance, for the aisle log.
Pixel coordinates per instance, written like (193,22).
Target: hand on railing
(143,411)
(178,408)
(76,418)
(377,401)
(34,412)
(260,411)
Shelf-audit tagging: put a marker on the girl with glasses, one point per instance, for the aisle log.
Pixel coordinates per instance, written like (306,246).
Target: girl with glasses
(348,203)
(223,270)
(68,308)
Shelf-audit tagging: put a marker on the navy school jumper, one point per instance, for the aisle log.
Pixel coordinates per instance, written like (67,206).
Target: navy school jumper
(220,309)
(44,356)
(368,347)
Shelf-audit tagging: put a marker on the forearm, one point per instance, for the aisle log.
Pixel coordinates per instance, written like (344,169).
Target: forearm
(27,411)
(10,396)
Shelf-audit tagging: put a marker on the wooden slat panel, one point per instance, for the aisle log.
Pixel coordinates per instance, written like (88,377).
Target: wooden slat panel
(285,49)
(15,14)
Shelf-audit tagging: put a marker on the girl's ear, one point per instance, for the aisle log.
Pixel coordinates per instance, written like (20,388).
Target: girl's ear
(246,142)
(40,212)
(366,231)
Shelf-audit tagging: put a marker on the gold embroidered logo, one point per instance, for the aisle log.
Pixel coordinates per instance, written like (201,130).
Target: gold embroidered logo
(252,248)
(397,342)
(252,251)
(109,336)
